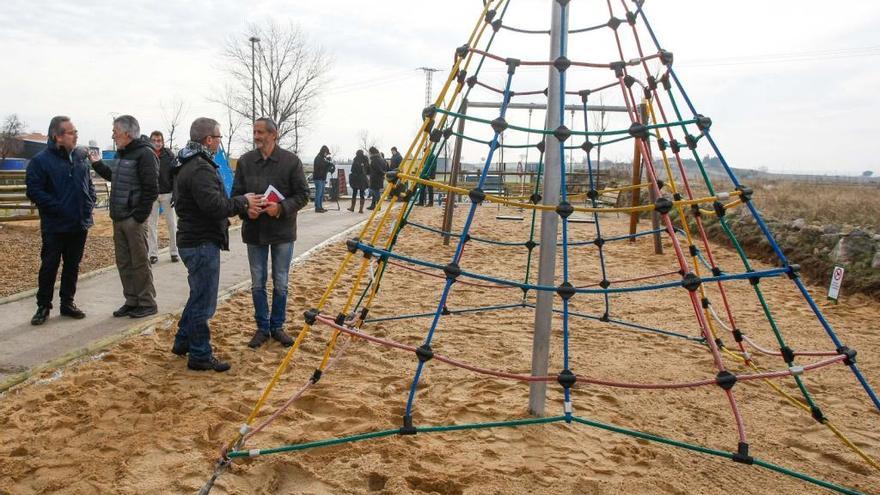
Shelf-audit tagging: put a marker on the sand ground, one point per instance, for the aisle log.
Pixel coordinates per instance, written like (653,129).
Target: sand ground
(135,420)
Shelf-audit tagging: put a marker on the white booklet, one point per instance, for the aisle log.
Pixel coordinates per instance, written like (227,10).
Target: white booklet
(273,195)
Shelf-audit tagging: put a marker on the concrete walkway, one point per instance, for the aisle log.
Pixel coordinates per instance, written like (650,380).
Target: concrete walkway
(25,349)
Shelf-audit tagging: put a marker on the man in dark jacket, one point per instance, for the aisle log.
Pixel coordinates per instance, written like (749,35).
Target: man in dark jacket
(377,168)
(322,165)
(203,209)
(167,161)
(396,159)
(273,228)
(58,182)
(135,187)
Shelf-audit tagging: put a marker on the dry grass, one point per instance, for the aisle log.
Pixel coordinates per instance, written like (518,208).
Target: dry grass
(841,204)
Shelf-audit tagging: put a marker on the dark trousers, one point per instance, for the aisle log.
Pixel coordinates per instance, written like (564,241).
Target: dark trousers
(133,262)
(58,247)
(374,193)
(429,192)
(203,274)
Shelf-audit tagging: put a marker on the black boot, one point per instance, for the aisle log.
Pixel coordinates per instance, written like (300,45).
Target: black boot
(361,209)
(351,208)
(70,309)
(40,316)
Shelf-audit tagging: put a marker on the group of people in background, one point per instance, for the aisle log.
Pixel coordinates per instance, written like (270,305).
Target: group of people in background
(145,177)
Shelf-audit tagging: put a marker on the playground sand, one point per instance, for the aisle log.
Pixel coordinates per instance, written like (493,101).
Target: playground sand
(20,244)
(136,421)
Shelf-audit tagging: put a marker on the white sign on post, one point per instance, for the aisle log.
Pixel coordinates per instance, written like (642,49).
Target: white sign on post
(836,281)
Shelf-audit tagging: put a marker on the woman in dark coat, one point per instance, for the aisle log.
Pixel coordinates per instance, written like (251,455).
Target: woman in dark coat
(378,167)
(358,178)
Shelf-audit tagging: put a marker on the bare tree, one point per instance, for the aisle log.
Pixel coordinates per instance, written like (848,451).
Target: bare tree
(290,70)
(366,140)
(171,114)
(234,120)
(600,124)
(10,143)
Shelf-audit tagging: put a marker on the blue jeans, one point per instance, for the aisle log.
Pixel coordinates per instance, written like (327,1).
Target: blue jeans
(203,275)
(319,194)
(258,257)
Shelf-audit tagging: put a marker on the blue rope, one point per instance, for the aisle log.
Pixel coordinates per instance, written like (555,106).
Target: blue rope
(458,250)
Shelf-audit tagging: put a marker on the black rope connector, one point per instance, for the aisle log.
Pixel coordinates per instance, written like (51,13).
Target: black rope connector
(562,133)
(675,146)
(666,57)
(677,196)
(512,64)
(561,63)
(661,143)
(629,80)
(693,250)
(445,311)
(816,413)
(716,271)
(652,83)
(364,313)
(398,189)
(311,316)
(593,194)
(462,51)
(667,84)
(447,133)
(436,134)
(691,281)
(787,354)
(695,209)
(638,131)
(618,68)
(499,125)
(490,14)
(352,244)
(691,141)
(472,81)
(604,284)
(540,145)
(535,198)
(793,270)
(631,18)
(719,343)
(452,271)
(742,454)
(340,319)
(496,25)
(599,242)
(566,378)
(705,302)
(849,353)
(754,279)
(565,209)
(429,112)
(584,94)
(408,428)
(605,318)
(565,291)
(587,146)
(461,76)
(725,380)
(530,244)
(720,211)
(660,184)
(391,176)
(703,122)
(663,205)
(316,376)
(613,23)
(737,335)
(424,353)
(477,195)
(745,193)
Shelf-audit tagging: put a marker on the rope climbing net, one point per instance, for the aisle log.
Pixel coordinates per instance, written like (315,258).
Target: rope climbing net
(661,133)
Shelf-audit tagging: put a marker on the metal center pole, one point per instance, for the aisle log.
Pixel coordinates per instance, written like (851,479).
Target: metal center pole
(549,221)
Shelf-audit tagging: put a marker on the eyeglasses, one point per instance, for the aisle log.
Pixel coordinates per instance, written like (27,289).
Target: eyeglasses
(74,132)
(217,137)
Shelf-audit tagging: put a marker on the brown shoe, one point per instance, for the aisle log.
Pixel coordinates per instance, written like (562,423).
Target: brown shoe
(282,337)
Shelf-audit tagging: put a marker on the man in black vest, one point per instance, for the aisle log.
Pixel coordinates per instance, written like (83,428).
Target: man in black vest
(135,187)
(58,181)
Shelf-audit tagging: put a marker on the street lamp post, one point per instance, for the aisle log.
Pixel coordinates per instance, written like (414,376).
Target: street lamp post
(253,40)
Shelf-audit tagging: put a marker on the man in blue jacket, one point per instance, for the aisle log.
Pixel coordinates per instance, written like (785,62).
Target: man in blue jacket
(58,182)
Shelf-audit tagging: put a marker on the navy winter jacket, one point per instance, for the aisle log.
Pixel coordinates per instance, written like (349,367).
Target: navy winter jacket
(61,186)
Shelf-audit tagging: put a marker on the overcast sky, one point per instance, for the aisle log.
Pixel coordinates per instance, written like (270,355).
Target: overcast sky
(790,86)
